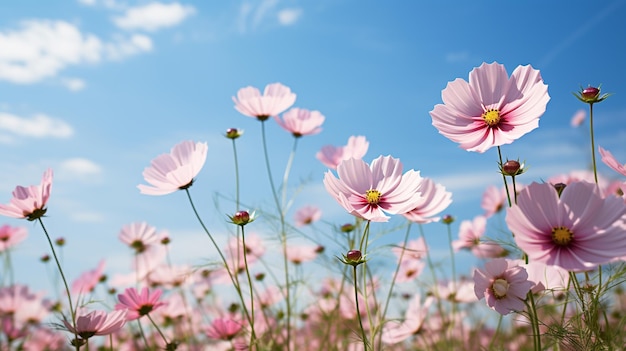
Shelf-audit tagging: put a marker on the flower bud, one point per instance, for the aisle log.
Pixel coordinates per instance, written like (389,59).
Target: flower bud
(590,95)
(511,168)
(347,228)
(60,241)
(447,219)
(353,255)
(242,218)
(45,258)
(233,133)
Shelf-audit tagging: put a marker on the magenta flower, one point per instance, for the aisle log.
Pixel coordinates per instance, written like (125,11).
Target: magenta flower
(503,284)
(331,156)
(176,170)
(11,236)
(29,202)
(139,304)
(276,98)
(576,231)
(609,160)
(492,109)
(307,215)
(434,200)
(223,329)
(369,191)
(299,122)
(97,323)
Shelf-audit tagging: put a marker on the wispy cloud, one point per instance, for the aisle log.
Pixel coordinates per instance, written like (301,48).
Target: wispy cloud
(74,84)
(288,17)
(40,49)
(154,16)
(79,169)
(38,126)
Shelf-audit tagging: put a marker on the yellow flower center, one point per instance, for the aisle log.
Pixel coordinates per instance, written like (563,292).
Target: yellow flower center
(500,287)
(373,196)
(491,117)
(562,236)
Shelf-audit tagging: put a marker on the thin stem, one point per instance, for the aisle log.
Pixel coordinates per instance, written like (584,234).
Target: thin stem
(593,148)
(158,330)
(245,260)
(495,334)
(506,186)
(67,289)
(534,320)
(288,169)
(358,311)
(283,237)
(395,274)
(236,176)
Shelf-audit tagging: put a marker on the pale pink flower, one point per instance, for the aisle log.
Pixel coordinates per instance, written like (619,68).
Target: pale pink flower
(23,305)
(307,215)
(139,304)
(461,290)
(546,277)
(29,202)
(276,98)
(397,331)
(176,170)
(577,231)
(578,118)
(93,323)
(45,339)
(87,281)
(331,156)
(169,276)
(609,160)
(139,235)
(493,201)
(503,284)
(368,192)
(471,238)
(409,269)
(434,200)
(298,254)
(492,109)
(299,122)
(414,249)
(223,329)
(11,236)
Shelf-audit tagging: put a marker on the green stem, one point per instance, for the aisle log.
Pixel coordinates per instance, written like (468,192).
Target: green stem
(506,186)
(534,322)
(67,289)
(236,176)
(593,148)
(158,330)
(288,170)
(358,312)
(245,260)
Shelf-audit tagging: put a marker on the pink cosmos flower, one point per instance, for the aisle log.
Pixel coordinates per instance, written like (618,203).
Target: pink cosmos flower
(578,118)
(434,200)
(576,231)
(503,284)
(223,329)
(139,304)
(93,323)
(176,170)
(139,236)
(415,249)
(299,122)
(609,160)
(24,306)
(409,269)
(307,215)
(461,290)
(471,238)
(395,331)
(276,98)
(298,254)
(492,109)
(87,281)
(369,191)
(29,202)
(331,156)
(11,236)
(546,277)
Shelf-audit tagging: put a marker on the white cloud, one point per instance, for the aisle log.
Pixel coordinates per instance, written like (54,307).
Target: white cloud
(254,15)
(41,49)
(288,17)
(39,126)
(154,16)
(87,2)
(80,167)
(74,84)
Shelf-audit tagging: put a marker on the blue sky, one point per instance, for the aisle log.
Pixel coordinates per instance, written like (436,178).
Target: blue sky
(95,89)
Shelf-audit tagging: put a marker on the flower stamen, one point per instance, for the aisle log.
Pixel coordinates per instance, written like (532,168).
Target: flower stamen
(373,196)
(491,117)
(500,287)
(562,236)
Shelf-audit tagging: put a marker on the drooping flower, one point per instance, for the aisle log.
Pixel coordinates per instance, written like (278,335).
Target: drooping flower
(276,99)
(176,170)
(576,231)
(29,202)
(307,215)
(434,200)
(331,156)
(97,322)
(493,109)
(139,304)
(299,122)
(370,191)
(11,236)
(503,284)
(609,160)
